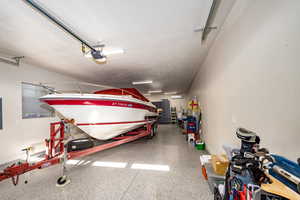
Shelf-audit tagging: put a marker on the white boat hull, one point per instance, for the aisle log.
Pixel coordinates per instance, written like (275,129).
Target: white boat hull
(102,116)
(103,122)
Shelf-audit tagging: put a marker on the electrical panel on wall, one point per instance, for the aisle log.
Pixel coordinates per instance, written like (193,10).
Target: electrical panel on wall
(1,120)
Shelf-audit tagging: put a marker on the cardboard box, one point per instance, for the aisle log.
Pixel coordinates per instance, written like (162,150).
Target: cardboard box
(220,164)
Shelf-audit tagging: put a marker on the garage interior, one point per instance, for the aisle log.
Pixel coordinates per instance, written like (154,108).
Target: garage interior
(165,99)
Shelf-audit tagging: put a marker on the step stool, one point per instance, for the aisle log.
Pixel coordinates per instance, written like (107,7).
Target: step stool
(191,137)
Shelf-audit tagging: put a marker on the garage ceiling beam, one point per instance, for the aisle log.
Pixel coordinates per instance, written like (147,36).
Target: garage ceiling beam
(58,23)
(212,13)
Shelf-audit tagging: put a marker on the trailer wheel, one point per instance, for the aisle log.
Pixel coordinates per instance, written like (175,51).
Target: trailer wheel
(153,131)
(151,135)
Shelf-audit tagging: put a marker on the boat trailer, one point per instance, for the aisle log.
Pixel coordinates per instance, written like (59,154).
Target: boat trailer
(56,150)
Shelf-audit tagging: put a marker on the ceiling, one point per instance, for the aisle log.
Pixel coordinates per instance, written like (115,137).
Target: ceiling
(158,38)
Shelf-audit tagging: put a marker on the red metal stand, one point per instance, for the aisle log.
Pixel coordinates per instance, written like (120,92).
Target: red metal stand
(55,145)
(55,148)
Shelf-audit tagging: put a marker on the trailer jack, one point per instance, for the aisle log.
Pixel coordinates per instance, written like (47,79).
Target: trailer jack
(64,179)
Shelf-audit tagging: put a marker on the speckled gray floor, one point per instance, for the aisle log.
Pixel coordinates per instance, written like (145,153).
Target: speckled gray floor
(183,181)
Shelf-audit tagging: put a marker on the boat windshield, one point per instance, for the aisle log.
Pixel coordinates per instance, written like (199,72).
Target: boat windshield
(123,91)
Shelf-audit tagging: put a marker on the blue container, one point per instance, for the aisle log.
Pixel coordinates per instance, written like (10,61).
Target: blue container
(193,129)
(191,119)
(289,166)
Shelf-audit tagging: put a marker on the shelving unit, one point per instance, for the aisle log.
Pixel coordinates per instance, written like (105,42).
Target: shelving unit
(165,112)
(173,115)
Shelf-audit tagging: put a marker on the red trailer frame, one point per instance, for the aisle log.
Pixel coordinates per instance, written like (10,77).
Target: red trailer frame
(55,148)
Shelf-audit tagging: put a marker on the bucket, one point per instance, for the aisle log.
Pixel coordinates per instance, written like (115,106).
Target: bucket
(200,145)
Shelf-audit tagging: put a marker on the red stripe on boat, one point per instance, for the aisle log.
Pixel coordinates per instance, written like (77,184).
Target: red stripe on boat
(92,102)
(110,123)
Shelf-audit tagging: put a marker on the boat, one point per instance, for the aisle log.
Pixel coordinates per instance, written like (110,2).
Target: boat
(106,113)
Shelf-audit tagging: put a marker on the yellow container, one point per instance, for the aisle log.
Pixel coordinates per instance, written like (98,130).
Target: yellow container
(220,164)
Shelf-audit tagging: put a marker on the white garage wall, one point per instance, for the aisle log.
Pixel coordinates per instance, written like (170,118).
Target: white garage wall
(19,133)
(251,77)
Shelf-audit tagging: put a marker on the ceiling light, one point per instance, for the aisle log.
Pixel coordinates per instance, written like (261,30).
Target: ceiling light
(107,52)
(104,52)
(154,91)
(176,97)
(141,82)
(100,55)
(169,93)
(100,60)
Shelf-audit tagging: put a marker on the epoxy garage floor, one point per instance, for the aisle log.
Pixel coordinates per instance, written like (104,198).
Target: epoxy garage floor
(165,167)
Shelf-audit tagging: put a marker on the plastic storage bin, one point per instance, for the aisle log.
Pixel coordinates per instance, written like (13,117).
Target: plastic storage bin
(200,145)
